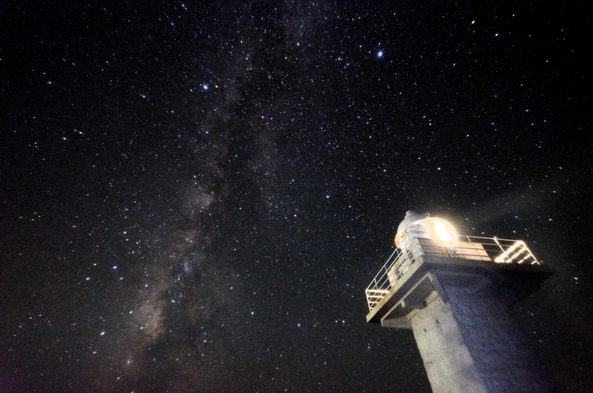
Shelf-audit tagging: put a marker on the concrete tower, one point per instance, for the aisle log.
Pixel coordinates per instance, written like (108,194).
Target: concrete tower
(454,292)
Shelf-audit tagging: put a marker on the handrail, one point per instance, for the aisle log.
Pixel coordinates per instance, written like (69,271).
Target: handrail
(415,245)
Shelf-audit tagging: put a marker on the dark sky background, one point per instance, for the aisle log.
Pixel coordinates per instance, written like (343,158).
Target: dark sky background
(194,196)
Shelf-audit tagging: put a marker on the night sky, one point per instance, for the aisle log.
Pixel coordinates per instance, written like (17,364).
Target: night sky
(193,197)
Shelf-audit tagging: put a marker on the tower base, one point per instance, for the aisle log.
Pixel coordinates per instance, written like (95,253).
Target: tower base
(465,331)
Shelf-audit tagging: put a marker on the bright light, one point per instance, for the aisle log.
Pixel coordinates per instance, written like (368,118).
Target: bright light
(442,231)
(421,225)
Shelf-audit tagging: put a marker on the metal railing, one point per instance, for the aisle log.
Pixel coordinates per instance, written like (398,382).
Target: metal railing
(415,245)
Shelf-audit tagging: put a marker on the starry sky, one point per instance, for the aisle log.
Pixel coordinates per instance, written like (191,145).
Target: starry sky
(195,195)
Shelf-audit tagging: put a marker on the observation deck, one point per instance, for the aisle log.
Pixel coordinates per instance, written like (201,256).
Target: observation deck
(409,279)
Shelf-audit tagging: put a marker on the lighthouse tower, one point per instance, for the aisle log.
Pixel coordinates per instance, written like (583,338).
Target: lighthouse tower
(455,293)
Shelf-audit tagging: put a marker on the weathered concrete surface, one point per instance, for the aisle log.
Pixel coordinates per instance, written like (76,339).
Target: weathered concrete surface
(447,360)
(472,343)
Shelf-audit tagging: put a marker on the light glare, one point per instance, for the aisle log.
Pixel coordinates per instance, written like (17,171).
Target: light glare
(442,231)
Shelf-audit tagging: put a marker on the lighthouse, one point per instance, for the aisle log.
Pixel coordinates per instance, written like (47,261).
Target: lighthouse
(455,292)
